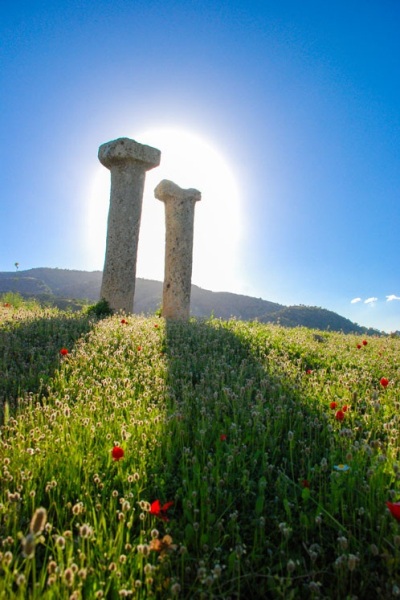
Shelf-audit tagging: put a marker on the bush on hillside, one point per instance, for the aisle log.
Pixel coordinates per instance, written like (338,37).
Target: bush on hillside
(100,310)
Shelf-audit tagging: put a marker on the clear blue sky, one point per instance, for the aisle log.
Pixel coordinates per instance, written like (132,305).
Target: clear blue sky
(300,98)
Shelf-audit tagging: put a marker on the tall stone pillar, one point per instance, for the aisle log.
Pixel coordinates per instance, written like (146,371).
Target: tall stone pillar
(179,221)
(128,162)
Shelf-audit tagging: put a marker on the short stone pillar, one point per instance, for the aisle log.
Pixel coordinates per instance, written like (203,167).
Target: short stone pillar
(128,162)
(179,221)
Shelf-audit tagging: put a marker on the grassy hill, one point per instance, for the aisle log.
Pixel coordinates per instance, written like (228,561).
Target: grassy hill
(71,289)
(210,459)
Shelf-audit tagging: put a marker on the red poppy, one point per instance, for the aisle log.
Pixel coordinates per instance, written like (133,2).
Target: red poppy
(305,483)
(63,352)
(339,416)
(139,348)
(333,405)
(365,342)
(160,511)
(309,371)
(117,453)
(6,305)
(345,408)
(359,346)
(156,325)
(223,437)
(124,322)
(384,382)
(394,508)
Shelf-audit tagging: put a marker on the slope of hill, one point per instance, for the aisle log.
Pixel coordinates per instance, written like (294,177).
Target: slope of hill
(311,316)
(245,437)
(59,282)
(63,287)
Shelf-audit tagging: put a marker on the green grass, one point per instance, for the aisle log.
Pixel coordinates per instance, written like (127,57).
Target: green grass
(230,421)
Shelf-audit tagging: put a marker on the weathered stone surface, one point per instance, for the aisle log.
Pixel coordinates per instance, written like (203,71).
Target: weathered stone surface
(179,223)
(128,162)
(125,150)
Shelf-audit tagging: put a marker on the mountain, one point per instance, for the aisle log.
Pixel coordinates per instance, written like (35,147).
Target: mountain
(68,288)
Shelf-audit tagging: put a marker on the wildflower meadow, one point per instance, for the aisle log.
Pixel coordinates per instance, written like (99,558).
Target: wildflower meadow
(211,459)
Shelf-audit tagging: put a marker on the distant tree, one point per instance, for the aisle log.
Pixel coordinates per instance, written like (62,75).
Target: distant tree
(16,266)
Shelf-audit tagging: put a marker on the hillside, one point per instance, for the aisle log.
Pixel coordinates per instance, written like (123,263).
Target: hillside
(63,288)
(207,459)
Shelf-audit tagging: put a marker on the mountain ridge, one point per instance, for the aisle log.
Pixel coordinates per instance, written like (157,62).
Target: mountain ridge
(68,287)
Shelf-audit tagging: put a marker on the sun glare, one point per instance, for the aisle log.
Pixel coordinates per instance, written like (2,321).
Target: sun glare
(191,162)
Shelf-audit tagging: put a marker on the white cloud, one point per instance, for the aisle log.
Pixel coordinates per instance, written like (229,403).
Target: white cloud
(355,300)
(392,297)
(370,300)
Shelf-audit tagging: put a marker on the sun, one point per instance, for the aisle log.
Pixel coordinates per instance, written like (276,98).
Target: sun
(190,161)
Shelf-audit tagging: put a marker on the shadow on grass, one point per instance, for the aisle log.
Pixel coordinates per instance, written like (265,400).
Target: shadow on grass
(30,345)
(259,469)
(216,377)
(236,456)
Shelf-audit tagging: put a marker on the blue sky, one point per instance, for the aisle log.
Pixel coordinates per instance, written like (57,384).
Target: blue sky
(300,100)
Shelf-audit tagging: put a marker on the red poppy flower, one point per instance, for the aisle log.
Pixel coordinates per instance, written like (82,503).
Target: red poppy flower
(223,437)
(124,322)
(394,508)
(345,408)
(160,511)
(6,305)
(333,405)
(384,382)
(365,342)
(139,348)
(117,453)
(63,352)
(156,325)
(359,346)
(309,371)
(339,416)
(305,483)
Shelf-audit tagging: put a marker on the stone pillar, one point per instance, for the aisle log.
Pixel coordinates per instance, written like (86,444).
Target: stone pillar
(179,221)
(128,162)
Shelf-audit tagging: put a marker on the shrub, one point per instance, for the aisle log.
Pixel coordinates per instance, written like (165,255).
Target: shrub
(100,310)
